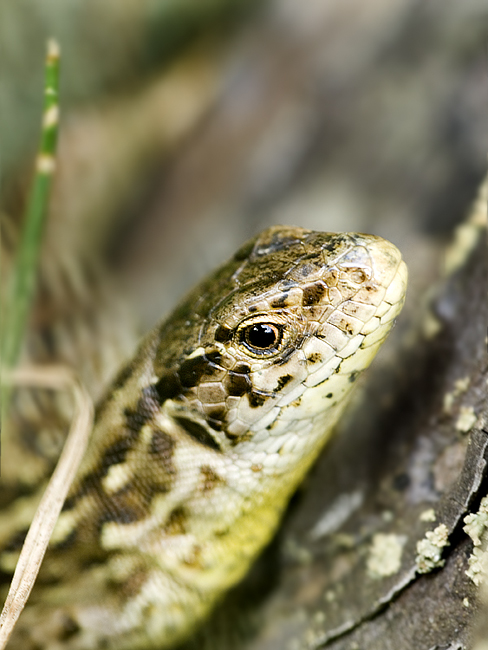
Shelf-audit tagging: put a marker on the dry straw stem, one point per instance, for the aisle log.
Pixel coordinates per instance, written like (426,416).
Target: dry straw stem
(34,548)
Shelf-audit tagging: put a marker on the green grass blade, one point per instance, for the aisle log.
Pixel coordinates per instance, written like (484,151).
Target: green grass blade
(21,288)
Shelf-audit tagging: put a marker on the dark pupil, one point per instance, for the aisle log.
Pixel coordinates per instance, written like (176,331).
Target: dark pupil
(262,336)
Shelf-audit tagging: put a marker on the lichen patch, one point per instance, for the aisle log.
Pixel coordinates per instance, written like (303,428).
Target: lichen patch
(466,419)
(478,566)
(427,515)
(460,387)
(385,555)
(477,523)
(476,526)
(429,549)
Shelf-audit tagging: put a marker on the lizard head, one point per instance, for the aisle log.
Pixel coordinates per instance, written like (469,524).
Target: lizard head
(276,338)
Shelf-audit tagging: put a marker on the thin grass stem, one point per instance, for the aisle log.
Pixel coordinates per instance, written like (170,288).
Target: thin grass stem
(22,284)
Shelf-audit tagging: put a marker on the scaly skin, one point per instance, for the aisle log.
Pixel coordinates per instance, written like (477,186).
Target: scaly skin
(204,437)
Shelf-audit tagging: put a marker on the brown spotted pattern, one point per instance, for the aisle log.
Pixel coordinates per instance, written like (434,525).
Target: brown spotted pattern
(204,437)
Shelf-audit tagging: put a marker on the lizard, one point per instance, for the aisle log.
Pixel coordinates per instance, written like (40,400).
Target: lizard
(205,435)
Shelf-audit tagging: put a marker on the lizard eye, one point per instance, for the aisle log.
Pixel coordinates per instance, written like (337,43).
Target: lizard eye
(265,335)
(262,337)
